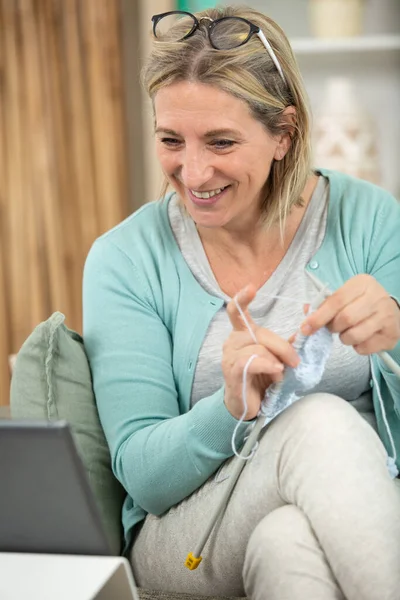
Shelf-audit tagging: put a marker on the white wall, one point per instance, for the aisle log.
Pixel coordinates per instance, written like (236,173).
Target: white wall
(381,16)
(376,74)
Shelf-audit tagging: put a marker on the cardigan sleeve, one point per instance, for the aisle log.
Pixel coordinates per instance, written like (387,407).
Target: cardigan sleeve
(159,455)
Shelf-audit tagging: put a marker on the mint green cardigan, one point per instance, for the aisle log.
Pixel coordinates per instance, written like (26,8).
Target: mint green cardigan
(145,318)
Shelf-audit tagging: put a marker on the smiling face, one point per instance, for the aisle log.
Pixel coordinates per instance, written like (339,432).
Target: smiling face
(214,153)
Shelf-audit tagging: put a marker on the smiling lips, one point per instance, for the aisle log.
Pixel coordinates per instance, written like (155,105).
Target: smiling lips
(206,195)
(206,198)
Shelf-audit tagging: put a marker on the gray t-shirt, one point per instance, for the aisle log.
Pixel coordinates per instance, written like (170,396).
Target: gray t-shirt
(347,374)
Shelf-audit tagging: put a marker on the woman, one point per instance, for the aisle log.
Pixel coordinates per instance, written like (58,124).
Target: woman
(315,512)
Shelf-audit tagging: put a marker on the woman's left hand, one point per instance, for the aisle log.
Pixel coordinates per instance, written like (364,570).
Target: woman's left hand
(362,313)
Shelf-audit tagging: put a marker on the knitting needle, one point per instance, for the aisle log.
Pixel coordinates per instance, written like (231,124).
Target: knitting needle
(194,558)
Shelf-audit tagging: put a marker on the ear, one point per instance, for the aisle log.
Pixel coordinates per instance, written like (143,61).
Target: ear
(288,128)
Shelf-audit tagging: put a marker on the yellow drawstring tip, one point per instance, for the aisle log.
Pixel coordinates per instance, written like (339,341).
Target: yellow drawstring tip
(192,562)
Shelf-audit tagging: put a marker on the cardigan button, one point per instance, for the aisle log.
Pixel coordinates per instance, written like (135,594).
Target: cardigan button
(314,265)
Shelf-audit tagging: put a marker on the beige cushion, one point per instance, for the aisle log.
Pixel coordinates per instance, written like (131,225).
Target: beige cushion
(51,380)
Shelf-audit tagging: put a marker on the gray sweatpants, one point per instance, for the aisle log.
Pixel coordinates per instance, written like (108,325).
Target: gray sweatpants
(314,516)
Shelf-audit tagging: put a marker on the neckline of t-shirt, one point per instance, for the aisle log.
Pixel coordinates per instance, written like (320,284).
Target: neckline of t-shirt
(279,273)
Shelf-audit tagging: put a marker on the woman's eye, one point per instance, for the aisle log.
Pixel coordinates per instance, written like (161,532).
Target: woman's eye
(222,144)
(170,141)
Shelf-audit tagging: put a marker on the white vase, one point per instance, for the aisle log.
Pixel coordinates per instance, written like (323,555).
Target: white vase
(345,137)
(336,18)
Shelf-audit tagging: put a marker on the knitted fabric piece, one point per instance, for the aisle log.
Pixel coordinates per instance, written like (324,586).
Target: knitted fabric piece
(299,381)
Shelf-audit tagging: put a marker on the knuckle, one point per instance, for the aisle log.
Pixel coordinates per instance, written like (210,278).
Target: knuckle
(261,350)
(336,326)
(336,300)
(349,338)
(367,278)
(362,349)
(366,281)
(345,339)
(346,319)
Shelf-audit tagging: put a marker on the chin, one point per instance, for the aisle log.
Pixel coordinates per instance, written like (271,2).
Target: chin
(209,221)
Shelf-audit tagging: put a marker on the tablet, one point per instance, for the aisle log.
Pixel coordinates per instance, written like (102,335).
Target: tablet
(46,503)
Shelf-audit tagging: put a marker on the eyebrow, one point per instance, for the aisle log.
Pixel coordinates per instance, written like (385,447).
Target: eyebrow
(208,134)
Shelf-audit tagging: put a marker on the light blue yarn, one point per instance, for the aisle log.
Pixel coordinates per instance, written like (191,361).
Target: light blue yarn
(392,467)
(298,381)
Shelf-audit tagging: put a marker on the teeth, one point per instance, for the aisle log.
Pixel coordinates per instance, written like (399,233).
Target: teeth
(206,195)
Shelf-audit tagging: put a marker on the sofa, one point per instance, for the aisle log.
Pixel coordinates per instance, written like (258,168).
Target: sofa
(51,380)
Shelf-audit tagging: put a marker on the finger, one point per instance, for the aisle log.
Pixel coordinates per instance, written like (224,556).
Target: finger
(238,340)
(271,364)
(351,315)
(372,333)
(261,365)
(362,332)
(238,359)
(276,377)
(282,349)
(359,286)
(243,298)
(306,309)
(375,344)
(328,310)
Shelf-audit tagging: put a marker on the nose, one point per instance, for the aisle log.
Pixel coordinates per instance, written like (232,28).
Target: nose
(196,169)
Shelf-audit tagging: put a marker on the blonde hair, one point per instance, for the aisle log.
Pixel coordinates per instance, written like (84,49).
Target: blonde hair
(247,73)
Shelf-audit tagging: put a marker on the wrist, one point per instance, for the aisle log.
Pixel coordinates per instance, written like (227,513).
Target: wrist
(236,409)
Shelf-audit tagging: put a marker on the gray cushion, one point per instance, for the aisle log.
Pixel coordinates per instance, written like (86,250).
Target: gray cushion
(51,380)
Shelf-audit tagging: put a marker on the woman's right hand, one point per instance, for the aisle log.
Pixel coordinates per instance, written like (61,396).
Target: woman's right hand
(273,354)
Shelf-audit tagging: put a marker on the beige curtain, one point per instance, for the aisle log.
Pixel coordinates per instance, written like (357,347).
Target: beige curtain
(153,178)
(63,174)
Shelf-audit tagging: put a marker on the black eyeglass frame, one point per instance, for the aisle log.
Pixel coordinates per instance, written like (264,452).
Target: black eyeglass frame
(254,30)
